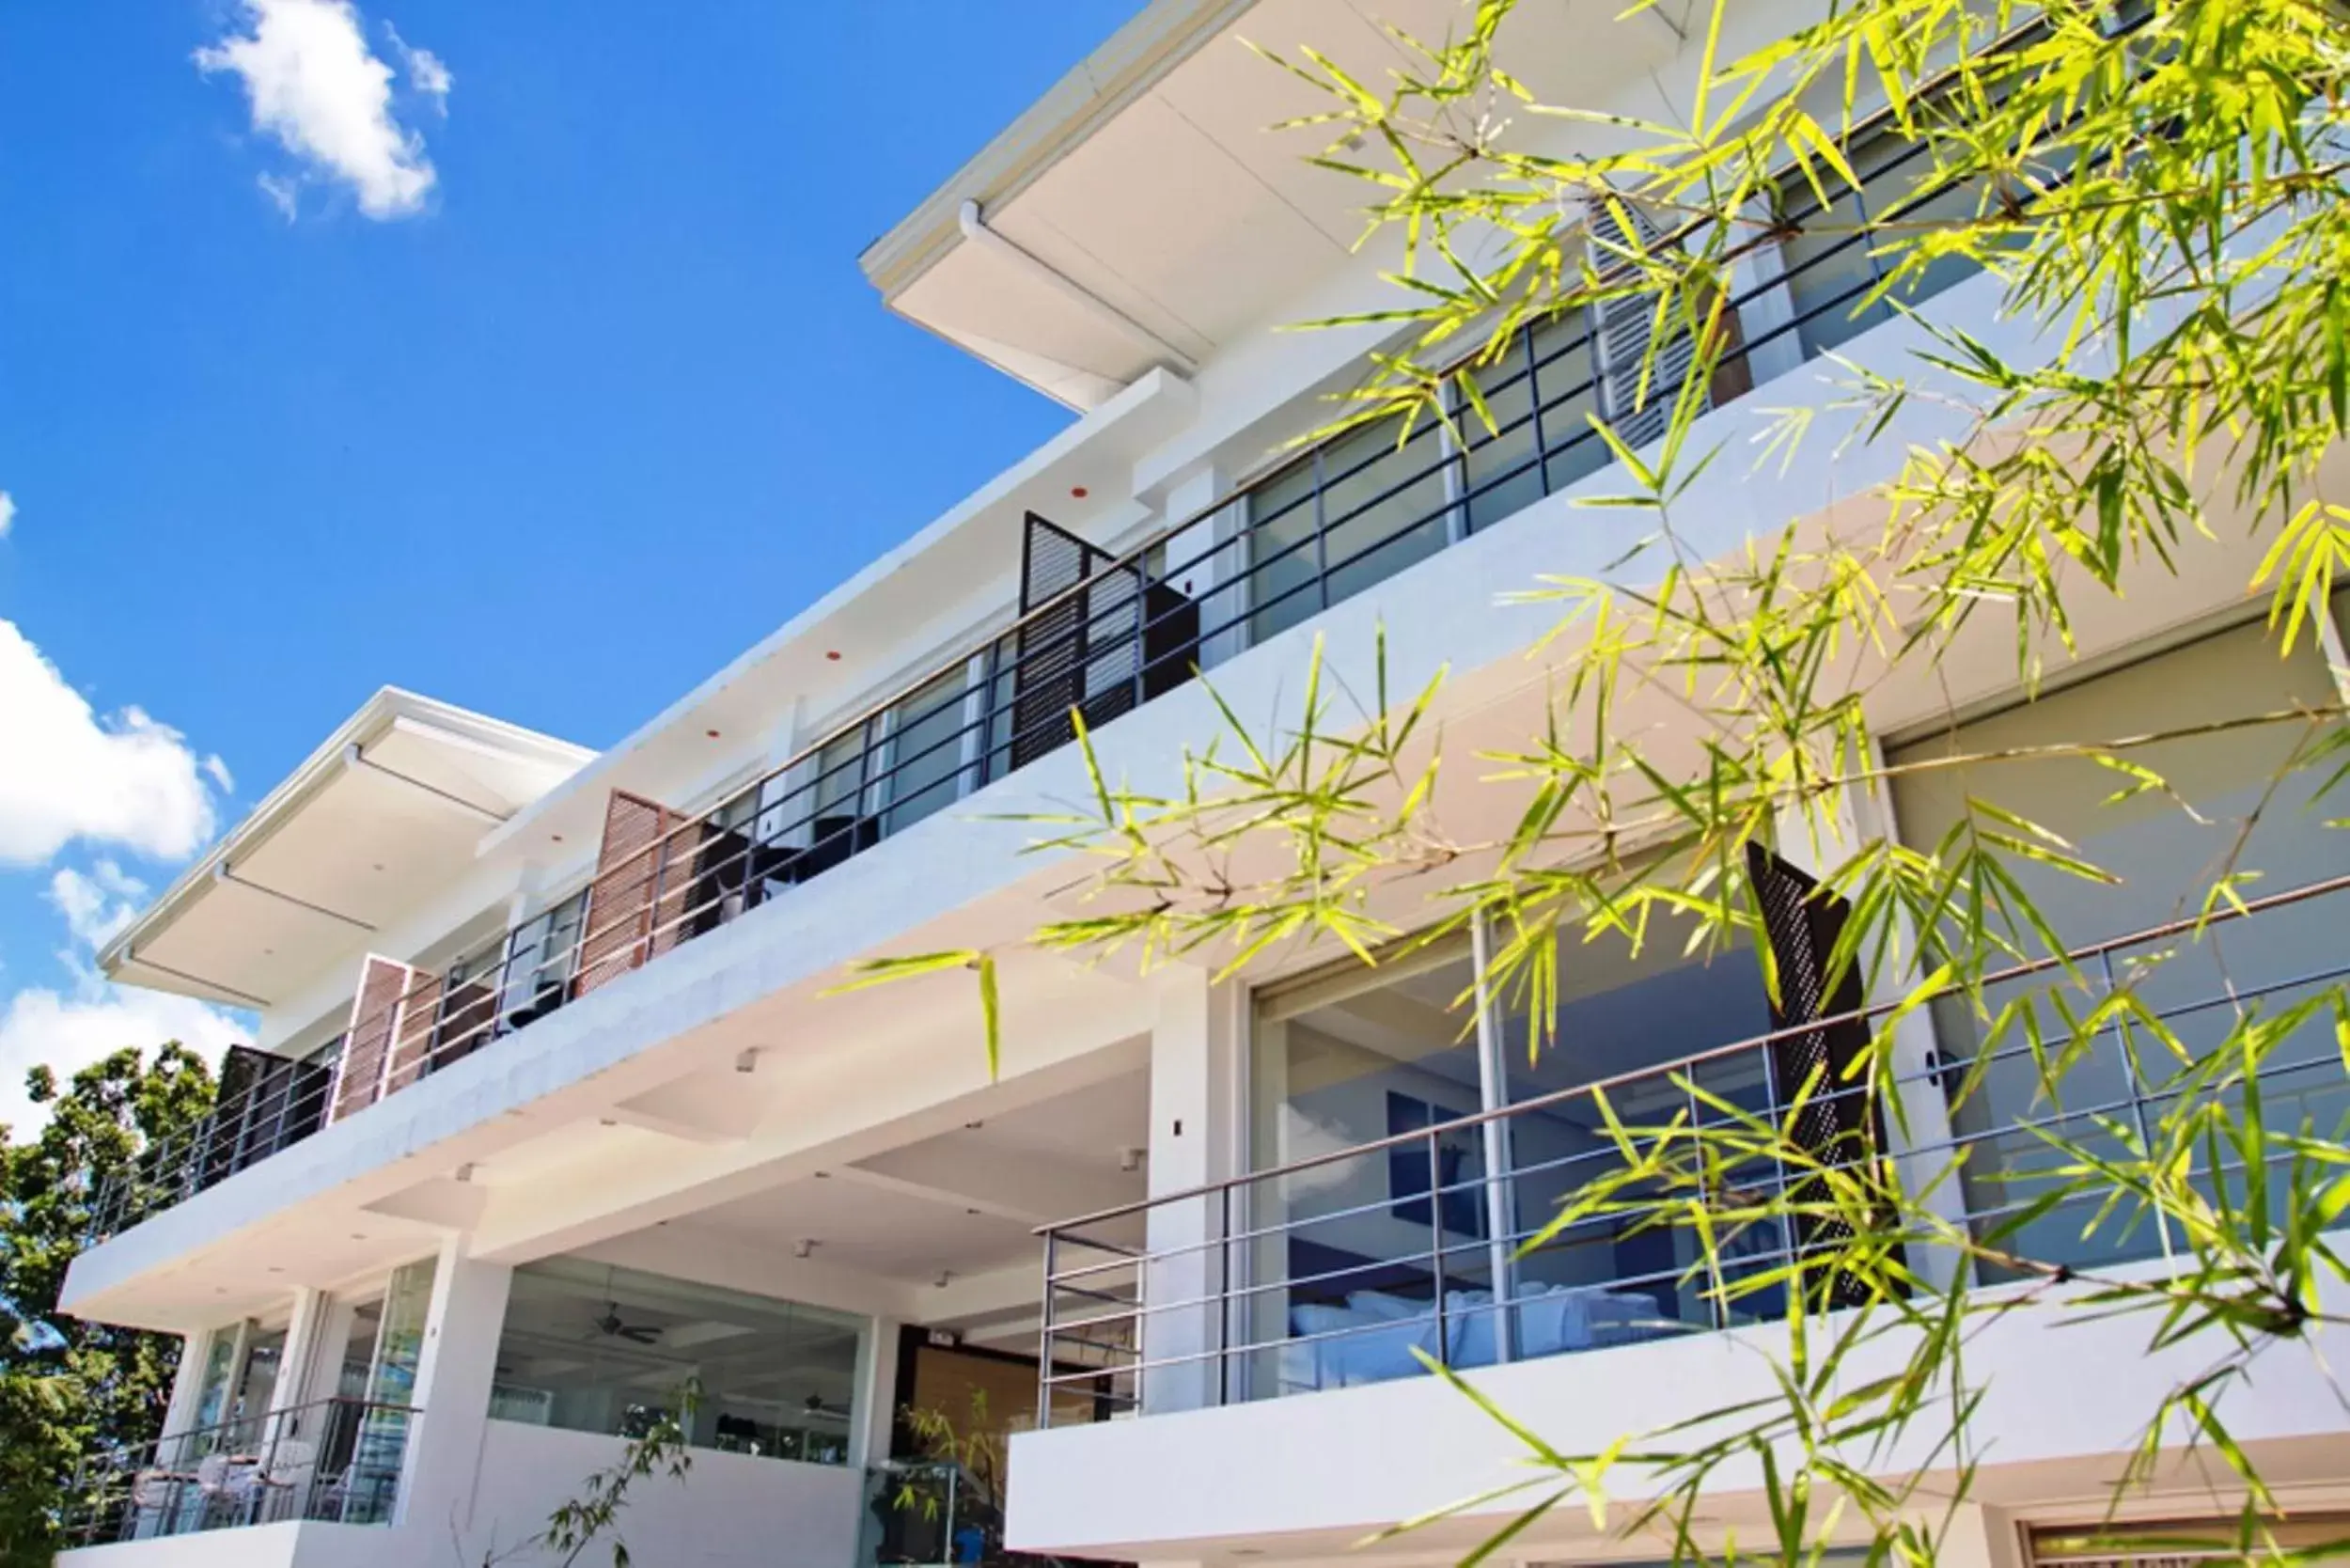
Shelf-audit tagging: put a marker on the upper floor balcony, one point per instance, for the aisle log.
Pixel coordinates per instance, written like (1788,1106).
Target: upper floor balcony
(1094,635)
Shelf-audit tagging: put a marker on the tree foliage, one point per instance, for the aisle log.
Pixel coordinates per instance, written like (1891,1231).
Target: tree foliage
(70,1387)
(2161,188)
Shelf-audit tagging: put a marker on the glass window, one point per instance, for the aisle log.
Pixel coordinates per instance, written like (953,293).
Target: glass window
(1346,1059)
(592,1348)
(1384,506)
(1622,1013)
(1829,265)
(926,753)
(1282,588)
(2247,811)
(540,960)
(1500,468)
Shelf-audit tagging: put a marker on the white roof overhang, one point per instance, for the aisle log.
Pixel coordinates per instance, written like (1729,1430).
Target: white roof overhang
(1154,179)
(372,824)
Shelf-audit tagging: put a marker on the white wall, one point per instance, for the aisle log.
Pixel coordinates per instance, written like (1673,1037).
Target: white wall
(727,1511)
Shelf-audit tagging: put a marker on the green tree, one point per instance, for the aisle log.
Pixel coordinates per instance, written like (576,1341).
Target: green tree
(68,1388)
(2160,186)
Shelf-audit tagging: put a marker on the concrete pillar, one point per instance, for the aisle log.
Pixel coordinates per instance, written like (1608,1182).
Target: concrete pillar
(1195,1121)
(1981,1537)
(1207,562)
(454,1372)
(875,1405)
(1920,1133)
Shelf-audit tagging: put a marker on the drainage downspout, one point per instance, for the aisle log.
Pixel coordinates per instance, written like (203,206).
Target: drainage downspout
(975,230)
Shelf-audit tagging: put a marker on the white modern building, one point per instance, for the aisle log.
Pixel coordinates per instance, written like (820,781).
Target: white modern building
(548,1113)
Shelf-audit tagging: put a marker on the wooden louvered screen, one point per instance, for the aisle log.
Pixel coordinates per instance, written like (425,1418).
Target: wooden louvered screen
(1837,1120)
(642,876)
(412,1042)
(367,1044)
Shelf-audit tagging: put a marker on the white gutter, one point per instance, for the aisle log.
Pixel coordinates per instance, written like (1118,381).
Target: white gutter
(975,230)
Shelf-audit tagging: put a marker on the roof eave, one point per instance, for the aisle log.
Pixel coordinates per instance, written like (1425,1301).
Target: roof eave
(1135,59)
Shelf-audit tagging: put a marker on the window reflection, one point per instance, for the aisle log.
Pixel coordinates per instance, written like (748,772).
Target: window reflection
(592,1348)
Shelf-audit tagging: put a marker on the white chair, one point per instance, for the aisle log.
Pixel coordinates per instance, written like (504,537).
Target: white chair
(287,1479)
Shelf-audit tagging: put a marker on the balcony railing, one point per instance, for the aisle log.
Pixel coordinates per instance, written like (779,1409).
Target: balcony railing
(338,1460)
(265,1102)
(1235,1312)
(1100,635)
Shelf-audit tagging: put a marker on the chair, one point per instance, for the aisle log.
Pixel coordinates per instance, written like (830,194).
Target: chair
(285,1479)
(153,1494)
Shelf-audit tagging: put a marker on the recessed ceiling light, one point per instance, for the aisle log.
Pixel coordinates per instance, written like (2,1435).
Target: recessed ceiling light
(557,836)
(833,653)
(1078,491)
(712,733)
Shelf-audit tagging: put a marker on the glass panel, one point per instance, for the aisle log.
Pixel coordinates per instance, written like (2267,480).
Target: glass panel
(1563,375)
(925,751)
(539,961)
(1825,262)
(2255,816)
(590,1348)
(1383,504)
(390,1385)
(1339,1062)
(264,1355)
(1282,556)
(840,777)
(1623,1015)
(1500,473)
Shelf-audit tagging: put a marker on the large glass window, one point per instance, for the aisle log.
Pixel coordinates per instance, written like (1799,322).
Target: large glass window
(2232,803)
(1622,1014)
(1366,1242)
(1358,1073)
(924,768)
(592,1348)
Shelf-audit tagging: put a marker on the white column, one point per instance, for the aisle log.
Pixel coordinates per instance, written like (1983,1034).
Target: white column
(1981,1537)
(1193,1116)
(188,1381)
(454,1372)
(875,1405)
(1207,561)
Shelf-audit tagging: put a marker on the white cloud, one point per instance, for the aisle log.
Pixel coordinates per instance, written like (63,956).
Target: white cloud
(99,903)
(124,780)
(427,74)
(7,512)
(316,87)
(68,1032)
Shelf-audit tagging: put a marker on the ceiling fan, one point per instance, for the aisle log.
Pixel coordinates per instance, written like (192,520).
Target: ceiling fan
(816,1404)
(611,1325)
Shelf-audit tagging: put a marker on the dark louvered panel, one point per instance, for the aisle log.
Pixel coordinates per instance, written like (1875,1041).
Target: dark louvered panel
(1836,1122)
(1049,661)
(1095,638)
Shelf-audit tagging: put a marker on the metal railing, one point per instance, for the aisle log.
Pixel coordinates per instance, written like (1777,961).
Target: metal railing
(266,1102)
(1344,517)
(336,1460)
(1273,1290)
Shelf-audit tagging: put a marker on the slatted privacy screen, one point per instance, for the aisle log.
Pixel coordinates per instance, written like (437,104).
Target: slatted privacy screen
(1837,1121)
(375,1014)
(412,1042)
(643,877)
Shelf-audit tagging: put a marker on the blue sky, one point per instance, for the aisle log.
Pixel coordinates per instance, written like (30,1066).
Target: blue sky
(516,354)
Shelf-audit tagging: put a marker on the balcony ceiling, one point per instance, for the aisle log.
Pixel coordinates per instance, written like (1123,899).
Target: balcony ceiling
(379,820)
(1153,179)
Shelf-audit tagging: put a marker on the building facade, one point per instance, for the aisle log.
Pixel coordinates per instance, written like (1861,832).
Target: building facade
(550,1116)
